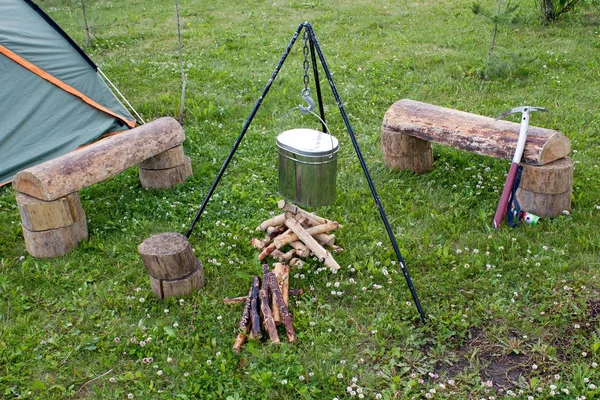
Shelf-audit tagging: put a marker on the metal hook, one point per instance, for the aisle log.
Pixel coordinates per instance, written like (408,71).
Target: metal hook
(311,103)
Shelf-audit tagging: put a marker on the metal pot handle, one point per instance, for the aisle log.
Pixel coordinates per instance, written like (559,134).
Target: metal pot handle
(305,110)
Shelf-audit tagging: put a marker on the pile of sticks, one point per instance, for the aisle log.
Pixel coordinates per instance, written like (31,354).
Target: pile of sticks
(266,307)
(303,232)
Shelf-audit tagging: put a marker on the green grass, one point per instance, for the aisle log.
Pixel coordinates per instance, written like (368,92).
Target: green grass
(509,312)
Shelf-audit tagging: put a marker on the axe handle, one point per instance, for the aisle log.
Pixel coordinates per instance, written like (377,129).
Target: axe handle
(512,172)
(503,203)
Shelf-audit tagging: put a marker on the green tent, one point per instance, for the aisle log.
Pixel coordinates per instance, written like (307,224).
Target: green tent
(52,99)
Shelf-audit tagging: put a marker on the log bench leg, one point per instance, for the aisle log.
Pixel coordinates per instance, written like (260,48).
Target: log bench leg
(166,169)
(52,228)
(545,190)
(402,152)
(170,262)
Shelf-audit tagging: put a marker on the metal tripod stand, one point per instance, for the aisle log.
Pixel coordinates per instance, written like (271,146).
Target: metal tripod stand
(315,50)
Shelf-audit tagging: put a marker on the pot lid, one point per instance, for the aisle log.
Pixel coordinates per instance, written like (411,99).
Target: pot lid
(307,142)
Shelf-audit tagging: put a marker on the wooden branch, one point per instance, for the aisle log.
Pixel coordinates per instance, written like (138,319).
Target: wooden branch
(265,287)
(267,316)
(284,205)
(273,231)
(312,244)
(255,330)
(284,284)
(290,236)
(278,271)
(281,256)
(294,261)
(336,249)
(325,239)
(301,250)
(244,324)
(259,244)
(287,320)
(276,220)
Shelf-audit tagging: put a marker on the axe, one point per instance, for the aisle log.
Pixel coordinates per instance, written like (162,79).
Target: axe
(514,166)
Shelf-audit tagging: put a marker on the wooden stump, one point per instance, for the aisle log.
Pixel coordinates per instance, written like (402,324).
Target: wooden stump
(180,287)
(52,228)
(171,264)
(168,177)
(402,152)
(546,190)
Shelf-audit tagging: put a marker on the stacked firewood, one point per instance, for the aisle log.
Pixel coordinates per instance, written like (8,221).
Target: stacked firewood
(300,231)
(266,307)
(290,236)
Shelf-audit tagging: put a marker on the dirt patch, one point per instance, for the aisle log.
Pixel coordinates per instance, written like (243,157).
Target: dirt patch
(479,356)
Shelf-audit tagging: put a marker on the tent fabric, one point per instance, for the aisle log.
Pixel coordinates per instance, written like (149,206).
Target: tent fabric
(52,99)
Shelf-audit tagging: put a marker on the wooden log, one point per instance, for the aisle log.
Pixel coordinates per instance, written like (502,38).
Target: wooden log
(294,209)
(301,250)
(255,329)
(244,324)
(167,256)
(166,178)
(259,244)
(103,159)
(402,152)
(284,284)
(180,287)
(40,215)
(56,242)
(288,237)
(546,190)
(325,239)
(267,316)
(276,220)
(281,256)
(273,231)
(278,271)
(323,255)
(471,132)
(285,315)
(171,158)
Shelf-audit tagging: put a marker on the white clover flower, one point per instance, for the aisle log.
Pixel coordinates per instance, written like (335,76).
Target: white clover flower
(340,376)
(534,367)
(130,395)
(284,381)
(142,299)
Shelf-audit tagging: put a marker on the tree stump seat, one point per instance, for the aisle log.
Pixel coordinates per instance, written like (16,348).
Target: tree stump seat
(409,127)
(52,217)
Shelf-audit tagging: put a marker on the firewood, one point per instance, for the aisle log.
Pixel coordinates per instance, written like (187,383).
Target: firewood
(273,231)
(244,323)
(284,284)
(265,287)
(244,299)
(267,316)
(284,205)
(303,234)
(259,244)
(276,220)
(255,330)
(278,271)
(281,256)
(290,236)
(325,239)
(301,249)
(336,249)
(285,315)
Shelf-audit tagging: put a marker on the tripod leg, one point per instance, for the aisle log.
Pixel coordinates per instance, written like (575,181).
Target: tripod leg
(244,129)
(363,164)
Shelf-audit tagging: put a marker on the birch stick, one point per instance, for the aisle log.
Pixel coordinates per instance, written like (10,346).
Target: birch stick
(312,244)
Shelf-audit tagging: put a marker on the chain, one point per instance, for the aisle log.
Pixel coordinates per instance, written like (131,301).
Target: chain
(306,90)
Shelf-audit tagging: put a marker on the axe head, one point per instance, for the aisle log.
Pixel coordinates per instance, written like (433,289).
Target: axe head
(523,109)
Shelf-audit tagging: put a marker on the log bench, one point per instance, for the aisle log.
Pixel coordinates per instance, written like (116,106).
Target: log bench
(52,217)
(409,127)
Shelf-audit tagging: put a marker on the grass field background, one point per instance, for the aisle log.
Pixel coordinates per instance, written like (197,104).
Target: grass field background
(512,313)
